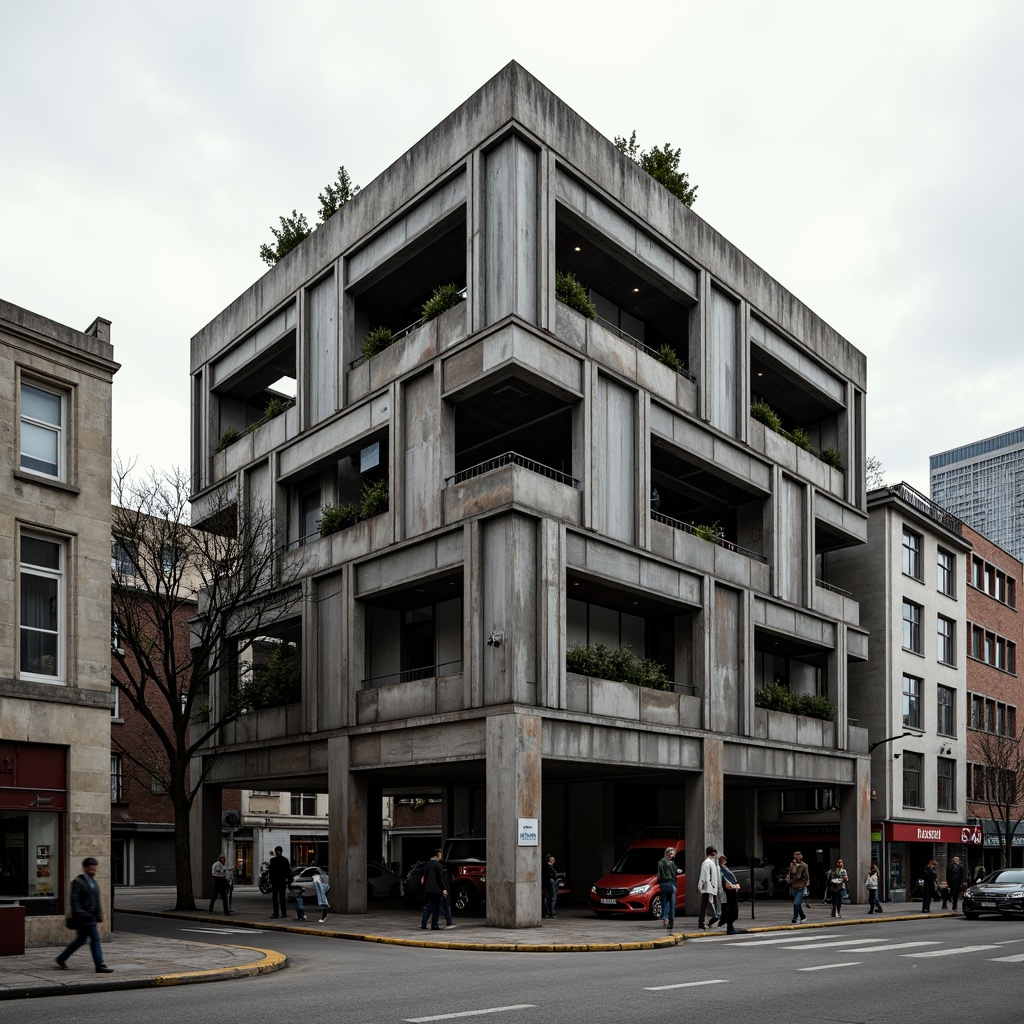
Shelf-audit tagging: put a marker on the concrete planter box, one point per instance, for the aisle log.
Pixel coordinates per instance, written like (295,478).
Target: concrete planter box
(512,485)
(611,699)
(792,457)
(835,606)
(706,556)
(418,698)
(782,727)
(268,724)
(571,327)
(610,350)
(452,326)
(361,539)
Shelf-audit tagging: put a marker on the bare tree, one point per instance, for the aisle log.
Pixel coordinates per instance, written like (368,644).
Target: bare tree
(1001,760)
(183,601)
(874,472)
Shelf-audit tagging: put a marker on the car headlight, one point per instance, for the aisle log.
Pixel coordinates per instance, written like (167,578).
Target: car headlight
(1015,896)
(593,890)
(639,890)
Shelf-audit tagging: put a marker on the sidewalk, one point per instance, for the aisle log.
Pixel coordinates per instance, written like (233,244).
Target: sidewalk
(575,929)
(139,961)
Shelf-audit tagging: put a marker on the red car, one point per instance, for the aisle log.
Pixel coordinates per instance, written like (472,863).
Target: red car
(631,887)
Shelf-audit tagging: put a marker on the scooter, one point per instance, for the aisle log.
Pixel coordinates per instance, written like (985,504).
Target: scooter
(265,879)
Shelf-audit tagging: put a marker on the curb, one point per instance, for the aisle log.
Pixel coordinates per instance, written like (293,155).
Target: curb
(272,961)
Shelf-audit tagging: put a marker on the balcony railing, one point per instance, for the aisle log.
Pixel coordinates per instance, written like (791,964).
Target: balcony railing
(399,335)
(653,353)
(512,459)
(927,507)
(409,675)
(720,541)
(833,588)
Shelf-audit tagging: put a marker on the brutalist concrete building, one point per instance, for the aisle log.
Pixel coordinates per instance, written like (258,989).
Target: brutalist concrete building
(533,479)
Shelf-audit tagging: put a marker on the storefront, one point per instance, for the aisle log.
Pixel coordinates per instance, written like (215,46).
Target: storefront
(907,849)
(819,843)
(993,835)
(33,812)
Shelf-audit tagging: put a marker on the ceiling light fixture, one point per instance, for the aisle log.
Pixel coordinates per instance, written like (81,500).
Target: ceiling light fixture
(576,248)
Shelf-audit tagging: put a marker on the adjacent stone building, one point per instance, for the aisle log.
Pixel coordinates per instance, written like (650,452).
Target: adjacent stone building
(55,697)
(532,478)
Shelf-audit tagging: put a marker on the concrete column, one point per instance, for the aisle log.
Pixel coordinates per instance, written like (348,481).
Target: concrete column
(855,829)
(206,835)
(347,829)
(513,792)
(551,615)
(704,819)
(836,666)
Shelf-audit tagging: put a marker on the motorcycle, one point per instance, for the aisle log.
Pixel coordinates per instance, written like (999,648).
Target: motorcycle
(265,879)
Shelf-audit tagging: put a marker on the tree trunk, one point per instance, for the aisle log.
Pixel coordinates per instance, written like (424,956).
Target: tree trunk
(183,857)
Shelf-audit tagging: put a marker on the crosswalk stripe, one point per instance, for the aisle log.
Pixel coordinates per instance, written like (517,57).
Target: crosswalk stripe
(828,967)
(775,942)
(684,984)
(862,941)
(1016,959)
(892,945)
(951,952)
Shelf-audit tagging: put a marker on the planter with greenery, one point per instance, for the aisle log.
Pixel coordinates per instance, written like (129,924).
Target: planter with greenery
(445,296)
(228,438)
(372,502)
(764,413)
(776,697)
(274,684)
(709,531)
(573,294)
(831,457)
(668,355)
(619,664)
(377,340)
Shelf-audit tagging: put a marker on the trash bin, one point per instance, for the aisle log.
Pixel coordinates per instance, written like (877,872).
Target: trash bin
(12,929)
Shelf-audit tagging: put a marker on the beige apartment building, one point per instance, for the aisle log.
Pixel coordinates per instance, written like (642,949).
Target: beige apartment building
(520,481)
(55,697)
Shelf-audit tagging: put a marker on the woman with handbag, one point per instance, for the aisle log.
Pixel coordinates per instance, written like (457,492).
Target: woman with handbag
(872,887)
(837,880)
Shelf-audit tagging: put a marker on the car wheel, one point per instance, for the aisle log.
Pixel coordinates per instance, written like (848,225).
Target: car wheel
(656,907)
(970,917)
(462,897)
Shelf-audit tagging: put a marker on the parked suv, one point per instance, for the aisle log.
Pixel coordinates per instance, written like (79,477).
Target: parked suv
(631,887)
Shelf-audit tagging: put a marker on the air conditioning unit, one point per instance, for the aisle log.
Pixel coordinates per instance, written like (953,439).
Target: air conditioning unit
(231,819)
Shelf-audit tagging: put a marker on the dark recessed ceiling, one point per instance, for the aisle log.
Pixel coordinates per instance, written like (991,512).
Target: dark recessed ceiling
(777,385)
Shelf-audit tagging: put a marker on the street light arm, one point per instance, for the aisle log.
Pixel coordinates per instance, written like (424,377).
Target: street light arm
(888,739)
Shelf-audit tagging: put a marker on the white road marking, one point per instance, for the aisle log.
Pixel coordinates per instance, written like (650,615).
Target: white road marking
(685,984)
(892,945)
(1007,959)
(775,942)
(224,931)
(951,952)
(862,941)
(470,1013)
(827,967)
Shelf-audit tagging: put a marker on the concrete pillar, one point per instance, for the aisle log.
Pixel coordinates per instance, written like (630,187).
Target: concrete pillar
(704,819)
(855,829)
(205,826)
(347,829)
(513,749)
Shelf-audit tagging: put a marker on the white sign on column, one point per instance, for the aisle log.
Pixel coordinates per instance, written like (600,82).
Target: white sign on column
(529,833)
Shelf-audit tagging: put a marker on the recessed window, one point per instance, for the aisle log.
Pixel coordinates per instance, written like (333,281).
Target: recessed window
(116,779)
(946,635)
(946,573)
(912,779)
(946,771)
(42,430)
(42,607)
(946,711)
(912,701)
(304,804)
(912,627)
(911,553)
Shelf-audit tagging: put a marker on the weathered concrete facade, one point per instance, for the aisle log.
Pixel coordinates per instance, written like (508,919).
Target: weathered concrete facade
(545,471)
(55,698)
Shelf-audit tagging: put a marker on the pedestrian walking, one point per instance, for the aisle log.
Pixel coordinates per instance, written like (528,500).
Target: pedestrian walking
(219,871)
(86,914)
(708,885)
(871,883)
(434,888)
(956,879)
(837,880)
(549,892)
(931,889)
(321,888)
(280,872)
(798,878)
(300,906)
(667,879)
(731,890)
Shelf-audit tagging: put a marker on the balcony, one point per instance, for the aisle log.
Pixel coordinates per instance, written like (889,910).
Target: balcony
(413,693)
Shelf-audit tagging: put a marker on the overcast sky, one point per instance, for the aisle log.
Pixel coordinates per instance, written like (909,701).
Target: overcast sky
(869,156)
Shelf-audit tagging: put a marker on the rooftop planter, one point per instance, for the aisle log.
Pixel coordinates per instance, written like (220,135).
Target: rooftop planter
(776,697)
(764,413)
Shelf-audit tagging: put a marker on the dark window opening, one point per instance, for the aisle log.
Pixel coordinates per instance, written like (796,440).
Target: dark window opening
(786,661)
(266,670)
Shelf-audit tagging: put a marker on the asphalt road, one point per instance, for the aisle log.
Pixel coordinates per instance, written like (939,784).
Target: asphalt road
(920,971)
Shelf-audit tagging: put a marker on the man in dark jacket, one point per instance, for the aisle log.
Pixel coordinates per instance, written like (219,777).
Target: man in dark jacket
(280,871)
(86,913)
(931,889)
(434,889)
(954,882)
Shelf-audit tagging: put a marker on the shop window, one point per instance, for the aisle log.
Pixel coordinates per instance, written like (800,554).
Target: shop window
(42,608)
(912,796)
(43,415)
(30,860)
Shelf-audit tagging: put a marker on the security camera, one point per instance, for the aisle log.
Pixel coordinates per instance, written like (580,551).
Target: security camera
(895,757)
(495,639)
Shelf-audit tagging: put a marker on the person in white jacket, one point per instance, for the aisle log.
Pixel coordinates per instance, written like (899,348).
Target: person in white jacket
(709,886)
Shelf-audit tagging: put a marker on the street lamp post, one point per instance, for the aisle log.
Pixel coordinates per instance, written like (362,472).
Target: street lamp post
(888,739)
(871,749)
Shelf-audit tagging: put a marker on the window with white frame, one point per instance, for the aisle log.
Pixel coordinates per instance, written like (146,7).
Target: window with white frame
(946,770)
(912,701)
(946,635)
(946,711)
(42,607)
(946,573)
(912,779)
(43,412)
(116,779)
(912,627)
(115,709)
(304,804)
(911,553)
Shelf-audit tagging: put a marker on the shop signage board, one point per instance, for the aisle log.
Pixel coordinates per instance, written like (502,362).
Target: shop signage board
(967,835)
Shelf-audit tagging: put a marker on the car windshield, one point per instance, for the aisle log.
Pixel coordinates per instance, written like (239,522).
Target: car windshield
(1006,876)
(643,862)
